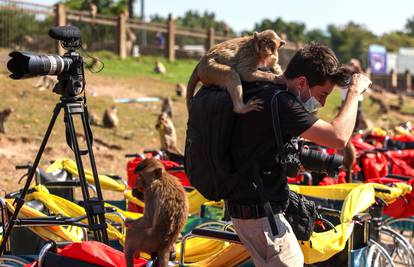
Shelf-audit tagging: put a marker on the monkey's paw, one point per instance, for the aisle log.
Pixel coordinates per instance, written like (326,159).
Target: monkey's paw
(252,104)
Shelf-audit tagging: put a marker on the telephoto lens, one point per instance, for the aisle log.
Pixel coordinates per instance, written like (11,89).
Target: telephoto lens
(27,65)
(320,162)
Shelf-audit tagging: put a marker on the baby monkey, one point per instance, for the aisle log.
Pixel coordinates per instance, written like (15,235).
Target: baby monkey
(165,213)
(232,61)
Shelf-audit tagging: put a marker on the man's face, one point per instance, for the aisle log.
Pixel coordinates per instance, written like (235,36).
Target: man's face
(321,92)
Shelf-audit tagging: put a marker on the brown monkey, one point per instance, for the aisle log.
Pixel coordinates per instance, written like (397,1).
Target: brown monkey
(180,89)
(167,106)
(4,115)
(159,67)
(46,82)
(110,118)
(94,119)
(168,136)
(349,154)
(227,63)
(165,213)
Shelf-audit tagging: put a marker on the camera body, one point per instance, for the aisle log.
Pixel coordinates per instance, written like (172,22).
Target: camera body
(296,154)
(69,68)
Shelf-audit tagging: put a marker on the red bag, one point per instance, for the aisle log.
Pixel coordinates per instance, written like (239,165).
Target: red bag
(95,253)
(132,164)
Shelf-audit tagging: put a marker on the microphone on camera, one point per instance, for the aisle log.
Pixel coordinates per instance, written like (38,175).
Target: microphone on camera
(65,33)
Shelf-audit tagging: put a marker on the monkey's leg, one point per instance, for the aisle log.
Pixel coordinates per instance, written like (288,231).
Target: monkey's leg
(259,76)
(163,257)
(222,75)
(129,254)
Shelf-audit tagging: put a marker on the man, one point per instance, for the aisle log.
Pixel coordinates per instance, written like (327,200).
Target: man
(310,77)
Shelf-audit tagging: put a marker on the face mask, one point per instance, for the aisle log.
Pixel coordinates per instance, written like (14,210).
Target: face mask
(311,105)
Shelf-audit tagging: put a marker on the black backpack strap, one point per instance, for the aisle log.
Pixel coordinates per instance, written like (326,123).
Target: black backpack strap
(257,179)
(281,153)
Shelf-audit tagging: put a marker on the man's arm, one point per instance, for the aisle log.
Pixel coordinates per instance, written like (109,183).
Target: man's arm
(336,134)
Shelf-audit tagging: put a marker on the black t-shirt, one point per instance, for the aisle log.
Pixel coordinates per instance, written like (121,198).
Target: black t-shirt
(254,137)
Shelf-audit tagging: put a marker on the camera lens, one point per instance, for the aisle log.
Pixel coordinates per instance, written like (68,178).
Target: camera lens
(26,64)
(320,162)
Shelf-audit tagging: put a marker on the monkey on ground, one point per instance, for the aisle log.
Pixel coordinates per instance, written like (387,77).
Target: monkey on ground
(168,136)
(4,115)
(159,67)
(349,153)
(46,82)
(180,89)
(165,213)
(110,118)
(94,119)
(167,106)
(232,61)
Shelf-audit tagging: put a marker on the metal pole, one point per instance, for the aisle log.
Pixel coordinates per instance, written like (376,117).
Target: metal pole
(143,32)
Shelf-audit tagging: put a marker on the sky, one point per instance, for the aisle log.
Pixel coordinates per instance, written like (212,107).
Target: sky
(378,16)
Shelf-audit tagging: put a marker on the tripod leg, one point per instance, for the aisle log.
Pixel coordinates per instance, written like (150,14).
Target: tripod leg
(94,208)
(19,201)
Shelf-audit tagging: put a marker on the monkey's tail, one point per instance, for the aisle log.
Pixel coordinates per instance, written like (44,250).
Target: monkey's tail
(192,83)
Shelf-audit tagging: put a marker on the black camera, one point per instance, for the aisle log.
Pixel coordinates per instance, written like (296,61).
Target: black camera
(68,68)
(312,160)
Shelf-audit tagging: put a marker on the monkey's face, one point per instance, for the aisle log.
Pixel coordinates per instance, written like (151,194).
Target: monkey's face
(146,177)
(268,42)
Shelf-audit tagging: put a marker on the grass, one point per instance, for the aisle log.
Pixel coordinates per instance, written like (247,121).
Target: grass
(177,71)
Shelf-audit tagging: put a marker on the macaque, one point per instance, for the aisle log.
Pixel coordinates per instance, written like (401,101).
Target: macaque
(167,107)
(165,213)
(4,115)
(159,67)
(94,119)
(180,90)
(110,118)
(46,82)
(349,154)
(232,61)
(168,137)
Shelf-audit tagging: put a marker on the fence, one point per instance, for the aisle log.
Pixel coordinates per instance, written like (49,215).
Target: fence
(394,82)
(118,34)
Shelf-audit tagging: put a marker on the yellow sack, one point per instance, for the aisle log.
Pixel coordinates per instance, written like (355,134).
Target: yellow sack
(70,166)
(358,199)
(56,233)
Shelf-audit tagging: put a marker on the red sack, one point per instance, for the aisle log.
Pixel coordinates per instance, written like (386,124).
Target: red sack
(375,165)
(132,164)
(402,207)
(95,253)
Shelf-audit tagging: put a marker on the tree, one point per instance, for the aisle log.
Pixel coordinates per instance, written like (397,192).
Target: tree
(350,41)
(409,26)
(294,31)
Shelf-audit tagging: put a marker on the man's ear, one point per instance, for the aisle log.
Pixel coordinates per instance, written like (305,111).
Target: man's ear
(256,42)
(157,173)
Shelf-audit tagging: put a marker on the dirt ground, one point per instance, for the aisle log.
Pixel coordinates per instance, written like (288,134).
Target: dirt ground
(33,109)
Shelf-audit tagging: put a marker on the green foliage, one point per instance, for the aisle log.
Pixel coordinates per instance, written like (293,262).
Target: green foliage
(350,41)
(178,71)
(15,25)
(196,20)
(294,31)
(394,40)
(409,26)
(105,7)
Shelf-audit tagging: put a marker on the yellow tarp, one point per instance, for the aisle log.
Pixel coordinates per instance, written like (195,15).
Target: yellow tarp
(357,198)
(106,182)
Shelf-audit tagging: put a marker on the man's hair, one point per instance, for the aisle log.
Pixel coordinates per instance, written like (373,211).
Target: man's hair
(318,63)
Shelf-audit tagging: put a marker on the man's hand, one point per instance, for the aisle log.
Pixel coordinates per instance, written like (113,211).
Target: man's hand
(359,83)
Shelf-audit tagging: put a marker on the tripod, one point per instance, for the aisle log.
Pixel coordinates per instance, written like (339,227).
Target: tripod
(94,207)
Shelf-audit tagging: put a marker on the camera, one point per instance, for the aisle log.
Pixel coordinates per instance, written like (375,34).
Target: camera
(313,160)
(68,68)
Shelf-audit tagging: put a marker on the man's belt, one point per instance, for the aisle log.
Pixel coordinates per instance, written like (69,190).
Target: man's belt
(252,211)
